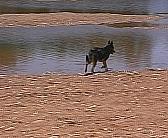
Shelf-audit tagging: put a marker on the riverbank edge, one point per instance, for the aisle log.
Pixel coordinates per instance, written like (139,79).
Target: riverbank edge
(111,73)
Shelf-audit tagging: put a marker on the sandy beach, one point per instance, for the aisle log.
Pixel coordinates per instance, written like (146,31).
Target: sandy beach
(106,105)
(67,18)
(112,104)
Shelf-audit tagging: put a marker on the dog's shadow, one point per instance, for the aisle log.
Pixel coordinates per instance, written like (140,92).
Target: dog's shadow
(98,72)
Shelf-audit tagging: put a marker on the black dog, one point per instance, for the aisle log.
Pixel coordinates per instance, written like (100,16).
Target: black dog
(99,54)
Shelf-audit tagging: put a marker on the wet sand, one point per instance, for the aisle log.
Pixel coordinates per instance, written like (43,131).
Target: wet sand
(112,104)
(67,18)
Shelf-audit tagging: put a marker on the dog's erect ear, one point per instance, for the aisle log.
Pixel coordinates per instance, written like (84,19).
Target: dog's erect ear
(109,42)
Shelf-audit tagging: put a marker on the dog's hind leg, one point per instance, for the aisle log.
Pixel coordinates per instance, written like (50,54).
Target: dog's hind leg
(87,62)
(86,67)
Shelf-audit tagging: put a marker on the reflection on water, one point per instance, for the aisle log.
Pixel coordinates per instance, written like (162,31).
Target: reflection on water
(112,6)
(62,49)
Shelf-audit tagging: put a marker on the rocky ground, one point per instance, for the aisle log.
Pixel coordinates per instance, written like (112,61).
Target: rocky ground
(112,104)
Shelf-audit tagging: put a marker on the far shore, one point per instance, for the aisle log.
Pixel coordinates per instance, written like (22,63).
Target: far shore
(68,18)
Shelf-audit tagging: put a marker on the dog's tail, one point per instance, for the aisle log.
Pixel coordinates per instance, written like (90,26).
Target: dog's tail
(87,62)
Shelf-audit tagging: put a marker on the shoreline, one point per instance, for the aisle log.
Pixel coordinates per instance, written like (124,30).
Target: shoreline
(111,104)
(68,18)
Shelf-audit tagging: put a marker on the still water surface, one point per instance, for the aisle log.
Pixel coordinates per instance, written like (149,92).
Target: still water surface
(62,49)
(111,6)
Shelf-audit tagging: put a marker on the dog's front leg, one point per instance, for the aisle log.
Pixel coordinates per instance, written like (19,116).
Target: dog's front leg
(105,65)
(93,67)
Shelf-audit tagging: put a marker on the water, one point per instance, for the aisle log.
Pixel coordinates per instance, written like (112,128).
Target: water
(111,6)
(62,49)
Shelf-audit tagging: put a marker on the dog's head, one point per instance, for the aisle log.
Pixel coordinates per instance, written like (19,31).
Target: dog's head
(111,47)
